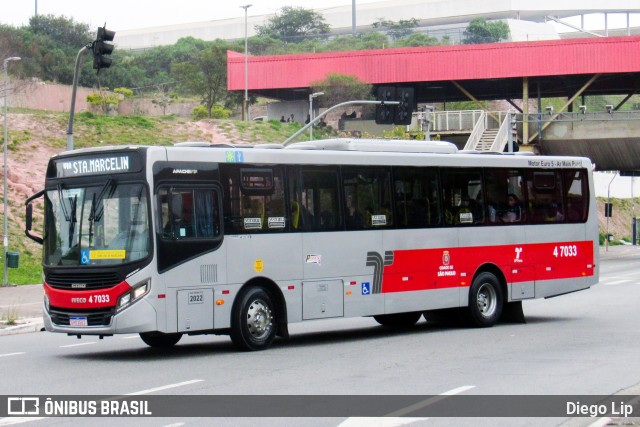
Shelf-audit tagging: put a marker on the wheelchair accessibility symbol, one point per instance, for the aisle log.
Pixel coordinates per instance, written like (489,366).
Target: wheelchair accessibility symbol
(84,257)
(366,288)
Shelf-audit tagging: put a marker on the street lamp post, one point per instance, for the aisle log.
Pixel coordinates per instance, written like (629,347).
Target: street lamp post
(5,282)
(311,96)
(245,106)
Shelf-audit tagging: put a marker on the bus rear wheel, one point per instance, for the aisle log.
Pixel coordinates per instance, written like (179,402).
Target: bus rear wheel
(485,301)
(398,320)
(253,323)
(159,339)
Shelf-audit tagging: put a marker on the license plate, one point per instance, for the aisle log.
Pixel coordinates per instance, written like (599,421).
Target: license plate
(78,321)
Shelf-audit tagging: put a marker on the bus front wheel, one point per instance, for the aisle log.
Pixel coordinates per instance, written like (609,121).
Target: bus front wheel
(159,339)
(485,300)
(253,325)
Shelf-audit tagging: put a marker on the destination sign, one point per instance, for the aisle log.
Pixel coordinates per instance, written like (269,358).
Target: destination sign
(97,165)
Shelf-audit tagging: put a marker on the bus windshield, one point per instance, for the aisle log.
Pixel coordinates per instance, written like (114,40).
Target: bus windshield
(105,224)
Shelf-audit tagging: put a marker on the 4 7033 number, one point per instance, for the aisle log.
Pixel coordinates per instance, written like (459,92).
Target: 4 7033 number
(565,251)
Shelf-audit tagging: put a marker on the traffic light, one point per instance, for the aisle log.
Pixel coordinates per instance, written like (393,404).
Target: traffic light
(101,48)
(404,110)
(385,113)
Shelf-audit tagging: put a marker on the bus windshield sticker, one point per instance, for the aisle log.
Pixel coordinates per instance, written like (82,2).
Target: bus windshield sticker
(466,218)
(108,254)
(314,259)
(234,157)
(378,220)
(253,223)
(276,222)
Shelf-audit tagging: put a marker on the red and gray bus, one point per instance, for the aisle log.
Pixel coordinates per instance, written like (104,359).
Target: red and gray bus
(196,239)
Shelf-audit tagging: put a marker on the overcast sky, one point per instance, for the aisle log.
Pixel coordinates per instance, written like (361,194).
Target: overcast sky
(134,14)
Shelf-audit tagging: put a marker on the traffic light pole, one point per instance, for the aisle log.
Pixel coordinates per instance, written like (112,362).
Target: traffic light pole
(76,72)
(342,104)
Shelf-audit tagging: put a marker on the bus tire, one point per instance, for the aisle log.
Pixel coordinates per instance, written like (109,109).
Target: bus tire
(398,320)
(253,322)
(159,339)
(485,301)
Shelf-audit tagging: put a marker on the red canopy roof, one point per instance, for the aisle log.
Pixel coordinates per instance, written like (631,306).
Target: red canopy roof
(441,63)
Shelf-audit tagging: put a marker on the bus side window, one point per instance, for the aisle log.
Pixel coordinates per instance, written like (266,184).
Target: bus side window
(576,193)
(314,199)
(415,195)
(546,203)
(462,195)
(367,195)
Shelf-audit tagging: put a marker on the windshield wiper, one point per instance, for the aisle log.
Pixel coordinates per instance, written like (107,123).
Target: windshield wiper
(94,214)
(64,207)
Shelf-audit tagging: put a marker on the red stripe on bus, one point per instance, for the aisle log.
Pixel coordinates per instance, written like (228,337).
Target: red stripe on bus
(422,269)
(78,299)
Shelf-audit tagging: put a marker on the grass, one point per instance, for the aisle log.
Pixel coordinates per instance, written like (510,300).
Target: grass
(10,317)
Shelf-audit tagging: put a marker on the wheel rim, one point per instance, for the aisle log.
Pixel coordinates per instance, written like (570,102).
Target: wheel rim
(487,300)
(259,319)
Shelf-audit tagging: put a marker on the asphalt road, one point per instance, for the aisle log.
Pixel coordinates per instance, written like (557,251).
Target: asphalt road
(585,343)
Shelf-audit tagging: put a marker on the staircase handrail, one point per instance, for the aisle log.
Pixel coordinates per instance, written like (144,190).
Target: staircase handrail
(476,133)
(502,137)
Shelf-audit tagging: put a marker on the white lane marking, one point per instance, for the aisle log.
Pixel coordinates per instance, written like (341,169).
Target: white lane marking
(165,387)
(12,354)
(77,345)
(174,425)
(600,423)
(131,337)
(617,282)
(457,390)
(430,401)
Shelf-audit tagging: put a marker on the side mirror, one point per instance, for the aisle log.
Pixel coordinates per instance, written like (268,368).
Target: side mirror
(29,218)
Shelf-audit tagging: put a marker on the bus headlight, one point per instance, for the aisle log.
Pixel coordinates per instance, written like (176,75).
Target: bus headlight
(46,302)
(136,292)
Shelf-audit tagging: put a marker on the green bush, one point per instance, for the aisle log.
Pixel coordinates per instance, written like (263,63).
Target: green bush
(219,112)
(199,112)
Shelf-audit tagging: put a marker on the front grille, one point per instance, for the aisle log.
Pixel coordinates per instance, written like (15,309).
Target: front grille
(91,281)
(96,317)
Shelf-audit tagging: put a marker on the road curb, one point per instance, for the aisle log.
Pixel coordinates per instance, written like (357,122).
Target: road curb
(28,325)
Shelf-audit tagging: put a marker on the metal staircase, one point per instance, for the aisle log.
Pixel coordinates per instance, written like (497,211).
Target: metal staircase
(487,139)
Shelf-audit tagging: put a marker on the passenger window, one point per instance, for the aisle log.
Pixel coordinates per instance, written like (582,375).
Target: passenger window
(505,194)
(462,196)
(189,213)
(367,195)
(314,199)
(576,191)
(544,188)
(254,199)
(416,197)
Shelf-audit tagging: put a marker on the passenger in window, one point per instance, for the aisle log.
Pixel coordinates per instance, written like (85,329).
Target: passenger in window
(513,212)
(554,214)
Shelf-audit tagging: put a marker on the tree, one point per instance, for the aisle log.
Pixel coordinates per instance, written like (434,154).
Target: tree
(53,42)
(396,30)
(481,31)
(416,40)
(339,88)
(204,75)
(294,24)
